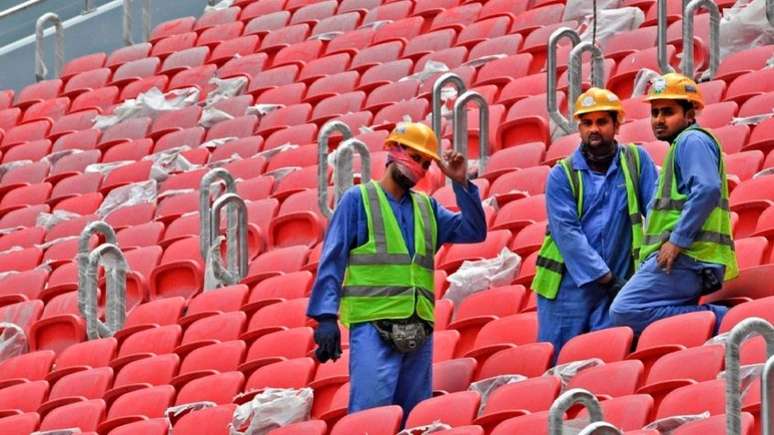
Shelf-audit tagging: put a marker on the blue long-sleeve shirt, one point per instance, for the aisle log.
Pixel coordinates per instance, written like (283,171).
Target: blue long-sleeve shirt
(600,241)
(348,229)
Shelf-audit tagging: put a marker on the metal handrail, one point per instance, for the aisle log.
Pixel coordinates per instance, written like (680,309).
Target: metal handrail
(111,257)
(88,6)
(567,400)
(41,71)
(767,395)
(552,104)
(576,70)
(129,22)
(323,139)
(344,159)
(82,259)
(205,220)
(741,332)
(687,63)
(460,137)
(448,78)
(661,37)
(600,428)
(237,249)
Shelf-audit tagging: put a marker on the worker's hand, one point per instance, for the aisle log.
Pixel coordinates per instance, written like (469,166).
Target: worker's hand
(328,339)
(607,279)
(667,256)
(455,166)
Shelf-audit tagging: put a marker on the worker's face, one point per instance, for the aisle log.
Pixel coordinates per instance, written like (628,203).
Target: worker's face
(597,130)
(668,118)
(408,166)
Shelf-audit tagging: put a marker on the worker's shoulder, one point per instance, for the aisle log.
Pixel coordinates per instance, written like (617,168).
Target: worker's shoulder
(698,136)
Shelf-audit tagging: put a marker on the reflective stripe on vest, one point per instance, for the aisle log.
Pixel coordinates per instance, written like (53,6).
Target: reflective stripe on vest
(550,263)
(382,281)
(714,242)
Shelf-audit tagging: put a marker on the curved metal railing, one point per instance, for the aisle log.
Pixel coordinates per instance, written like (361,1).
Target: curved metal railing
(237,247)
(661,37)
(460,137)
(82,259)
(41,71)
(445,79)
(323,139)
(343,174)
(205,212)
(112,259)
(600,428)
(567,400)
(129,21)
(767,395)
(744,330)
(575,78)
(552,104)
(687,63)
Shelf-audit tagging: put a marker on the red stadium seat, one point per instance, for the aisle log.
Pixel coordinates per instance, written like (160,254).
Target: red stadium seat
(520,398)
(84,415)
(455,409)
(617,342)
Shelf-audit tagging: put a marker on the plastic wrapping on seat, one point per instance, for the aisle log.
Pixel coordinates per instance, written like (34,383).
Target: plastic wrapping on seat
(7,167)
(225,89)
(668,424)
(125,196)
(752,120)
(643,80)
(578,10)
(106,168)
(475,276)
(565,372)
(221,5)
(13,340)
(149,104)
(435,426)
(485,387)
(170,161)
(745,26)
(215,274)
(50,220)
(70,431)
(749,375)
(273,408)
(211,116)
(174,413)
(611,22)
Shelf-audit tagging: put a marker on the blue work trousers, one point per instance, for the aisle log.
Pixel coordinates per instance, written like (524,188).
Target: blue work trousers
(380,376)
(652,294)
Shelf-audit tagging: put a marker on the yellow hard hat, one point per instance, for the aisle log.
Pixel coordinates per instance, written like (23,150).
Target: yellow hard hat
(674,86)
(598,100)
(417,136)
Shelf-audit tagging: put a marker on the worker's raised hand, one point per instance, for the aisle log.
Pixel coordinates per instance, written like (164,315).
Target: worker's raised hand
(667,256)
(455,166)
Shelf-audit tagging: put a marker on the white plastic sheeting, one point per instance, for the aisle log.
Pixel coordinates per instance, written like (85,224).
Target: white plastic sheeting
(272,408)
(13,340)
(745,26)
(579,10)
(642,81)
(70,431)
(748,375)
(486,387)
(665,426)
(611,22)
(50,220)
(435,426)
(106,168)
(129,195)
(223,4)
(475,276)
(211,116)
(6,167)
(150,104)
(225,89)
(215,274)
(261,110)
(565,372)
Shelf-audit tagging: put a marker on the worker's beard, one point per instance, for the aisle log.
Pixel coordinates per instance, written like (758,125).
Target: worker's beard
(599,157)
(400,178)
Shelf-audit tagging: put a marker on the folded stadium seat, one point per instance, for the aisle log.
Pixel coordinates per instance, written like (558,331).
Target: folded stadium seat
(173,207)
(533,424)
(717,115)
(212,421)
(353,41)
(622,82)
(762,137)
(443,312)
(340,23)
(31,366)
(24,397)
(20,424)
(328,379)
(622,44)
(278,346)
(299,53)
(84,140)
(292,373)
(216,17)
(261,24)
(234,106)
(674,13)
(429,43)
(21,197)
(359,6)
(529,239)
(135,88)
(430,9)
(301,179)
(392,11)
(444,343)
(215,35)
(130,53)
(20,260)
(147,234)
(399,30)
(226,299)
(174,43)
(209,360)
(278,289)
(10,117)
(246,66)
(636,108)
(536,44)
(198,77)
(453,375)
(757,105)
(180,271)
(384,73)
(322,88)
(320,68)
(502,71)
(220,388)
(375,55)
(193,137)
(749,85)
(519,184)
(483,30)
(137,406)
(743,62)
(282,37)
(78,386)
(332,107)
(135,70)
(86,81)
(131,173)
(36,130)
(481,308)
(744,164)
(299,221)
(144,370)
(277,317)
(72,123)
(416,109)
(628,413)
(445,195)
(754,308)
(712,91)
(22,238)
(455,409)
(26,216)
(60,326)
(694,399)
(34,150)
(615,379)
(245,148)
(716,424)
(15,287)
(765,224)
(637,131)
(171,27)
(517,214)
(527,121)
(49,109)
(749,199)
(453,257)
(211,330)
(134,150)
(521,398)
(75,185)
(91,354)
(155,426)
(284,118)
(82,64)
(84,415)
(131,129)
(304,155)
(617,342)
(313,12)
(37,92)
(384,420)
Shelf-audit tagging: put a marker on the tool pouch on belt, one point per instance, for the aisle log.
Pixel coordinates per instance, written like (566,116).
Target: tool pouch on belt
(710,281)
(404,335)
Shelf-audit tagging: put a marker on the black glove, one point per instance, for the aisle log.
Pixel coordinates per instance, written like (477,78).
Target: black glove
(328,339)
(614,286)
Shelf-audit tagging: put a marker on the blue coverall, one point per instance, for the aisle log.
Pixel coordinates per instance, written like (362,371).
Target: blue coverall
(652,294)
(597,243)
(379,375)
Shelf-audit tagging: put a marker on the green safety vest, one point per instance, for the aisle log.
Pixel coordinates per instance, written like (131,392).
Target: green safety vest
(381,280)
(714,243)
(550,263)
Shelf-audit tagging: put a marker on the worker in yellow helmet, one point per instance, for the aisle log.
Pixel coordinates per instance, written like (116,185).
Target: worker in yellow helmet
(688,249)
(595,199)
(376,271)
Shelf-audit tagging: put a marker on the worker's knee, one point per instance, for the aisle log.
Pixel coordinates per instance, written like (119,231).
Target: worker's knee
(621,315)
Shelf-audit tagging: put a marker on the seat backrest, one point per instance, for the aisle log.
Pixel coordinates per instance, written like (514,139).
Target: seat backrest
(609,345)
(453,375)
(226,326)
(498,301)
(156,370)
(692,329)
(292,373)
(614,379)
(384,420)
(212,421)
(533,395)
(159,340)
(626,412)
(84,415)
(222,357)
(220,388)
(701,363)
(455,409)
(694,399)
(92,353)
(90,384)
(528,360)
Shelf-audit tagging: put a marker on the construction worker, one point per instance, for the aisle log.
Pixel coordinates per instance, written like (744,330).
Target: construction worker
(688,249)
(595,200)
(376,271)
